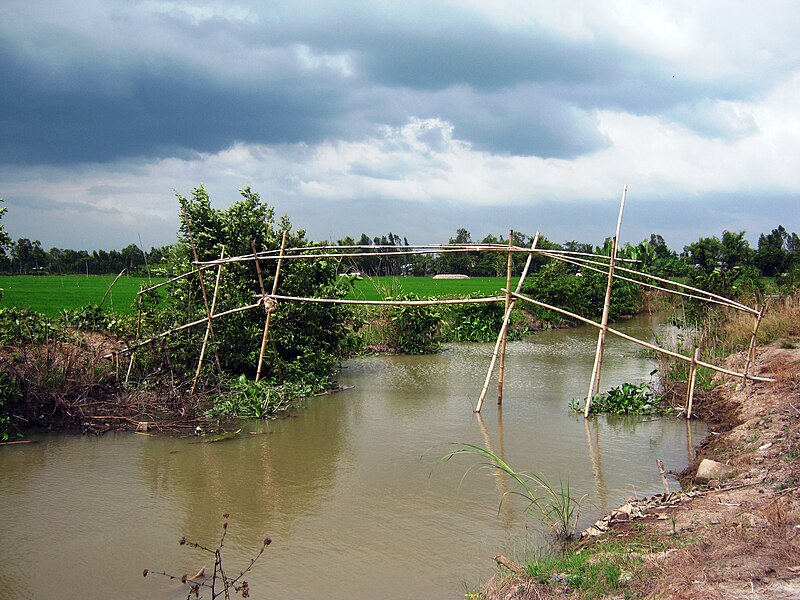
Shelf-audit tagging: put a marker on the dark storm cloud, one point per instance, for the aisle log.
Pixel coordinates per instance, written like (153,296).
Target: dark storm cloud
(163,79)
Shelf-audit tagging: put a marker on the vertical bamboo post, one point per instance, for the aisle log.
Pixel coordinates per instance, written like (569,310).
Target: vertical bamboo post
(504,326)
(208,325)
(692,380)
(270,309)
(130,368)
(116,366)
(139,315)
(751,353)
(594,382)
(260,278)
(202,283)
(504,330)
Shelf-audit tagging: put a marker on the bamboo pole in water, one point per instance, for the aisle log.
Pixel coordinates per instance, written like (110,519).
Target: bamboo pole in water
(270,309)
(108,291)
(594,382)
(503,327)
(208,325)
(504,330)
(692,381)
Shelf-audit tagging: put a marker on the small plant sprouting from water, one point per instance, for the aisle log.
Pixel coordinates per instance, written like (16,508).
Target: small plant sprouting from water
(554,507)
(220,583)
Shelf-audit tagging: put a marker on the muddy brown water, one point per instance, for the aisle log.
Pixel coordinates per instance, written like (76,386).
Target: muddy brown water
(351,488)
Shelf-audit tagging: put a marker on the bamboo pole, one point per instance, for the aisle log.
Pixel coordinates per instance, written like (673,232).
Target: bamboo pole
(638,341)
(585,264)
(202,283)
(504,326)
(594,382)
(314,252)
(164,334)
(486,300)
(504,330)
(130,368)
(751,352)
(108,291)
(270,308)
(208,325)
(692,381)
(173,279)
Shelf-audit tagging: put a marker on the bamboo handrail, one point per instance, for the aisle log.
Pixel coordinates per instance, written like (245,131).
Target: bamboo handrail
(711,296)
(586,266)
(389,302)
(164,334)
(638,341)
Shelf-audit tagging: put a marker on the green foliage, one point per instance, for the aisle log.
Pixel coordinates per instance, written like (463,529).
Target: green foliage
(305,339)
(10,394)
(554,507)
(591,576)
(94,318)
(261,399)
(415,329)
(626,399)
(475,322)
(22,325)
(581,292)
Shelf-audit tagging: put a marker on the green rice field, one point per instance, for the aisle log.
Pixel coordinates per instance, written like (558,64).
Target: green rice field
(376,288)
(50,294)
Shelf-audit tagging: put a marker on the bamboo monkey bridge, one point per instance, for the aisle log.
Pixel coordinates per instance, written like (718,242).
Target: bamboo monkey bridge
(269,302)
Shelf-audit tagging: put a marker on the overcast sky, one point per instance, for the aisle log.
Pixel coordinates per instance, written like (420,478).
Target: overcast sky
(412,117)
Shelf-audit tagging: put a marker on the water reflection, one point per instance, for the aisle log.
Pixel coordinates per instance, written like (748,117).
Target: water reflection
(351,488)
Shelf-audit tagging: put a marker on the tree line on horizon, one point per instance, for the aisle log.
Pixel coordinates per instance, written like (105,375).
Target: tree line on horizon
(714,262)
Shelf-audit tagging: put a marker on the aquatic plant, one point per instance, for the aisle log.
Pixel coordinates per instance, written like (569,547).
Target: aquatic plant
(626,399)
(553,506)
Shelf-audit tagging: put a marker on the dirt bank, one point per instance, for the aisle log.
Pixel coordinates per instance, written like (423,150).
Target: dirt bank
(739,538)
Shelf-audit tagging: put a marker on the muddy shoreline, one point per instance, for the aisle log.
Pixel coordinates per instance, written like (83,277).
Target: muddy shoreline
(733,538)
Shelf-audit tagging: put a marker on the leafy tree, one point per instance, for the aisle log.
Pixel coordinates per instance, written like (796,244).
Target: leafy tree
(579,291)
(305,338)
(5,240)
(774,252)
(705,254)
(735,250)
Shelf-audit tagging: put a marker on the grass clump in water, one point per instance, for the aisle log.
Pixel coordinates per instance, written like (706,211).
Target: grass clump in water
(553,506)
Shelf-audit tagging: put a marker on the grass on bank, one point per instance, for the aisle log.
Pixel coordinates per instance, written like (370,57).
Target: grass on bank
(50,294)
